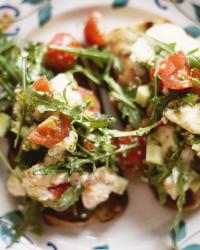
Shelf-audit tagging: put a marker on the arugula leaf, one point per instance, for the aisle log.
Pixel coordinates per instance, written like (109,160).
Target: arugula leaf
(24,58)
(68,198)
(87,72)
(11,68)
(49,170)
(31,218)
(194,58)
(126,104)
(101,155)
(35,67)
(100,57)
(7,87)
(181,197)
(22,107)
(138,132)
(133,114)
(190,98)
(117,92)
(47,103)
(159,103)
(155,175)
(6,164)
(196,139)
(6,44)
(168,47)
(117,64)
(101,121)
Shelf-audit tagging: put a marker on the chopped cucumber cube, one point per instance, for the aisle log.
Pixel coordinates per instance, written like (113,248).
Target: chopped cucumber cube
(120,185)
(154,154)
(4,124)
(143,95)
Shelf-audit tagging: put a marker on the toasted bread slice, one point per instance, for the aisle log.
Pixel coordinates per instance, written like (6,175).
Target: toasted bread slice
(77,216)
(192,201)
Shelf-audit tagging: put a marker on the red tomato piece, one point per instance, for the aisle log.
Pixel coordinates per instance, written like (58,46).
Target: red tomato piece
(51,131)
(42,84)
(58,190)
(92,31)
(135,156)
(58,60)
(88,145)
(89,96)
(174,72)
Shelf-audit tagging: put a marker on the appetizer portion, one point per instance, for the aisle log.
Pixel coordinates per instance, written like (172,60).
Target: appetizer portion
(161,78)
(64,155)
(63,165)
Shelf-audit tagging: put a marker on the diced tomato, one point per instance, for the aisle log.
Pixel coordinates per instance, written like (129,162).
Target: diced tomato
(58,190)
(88,145)
(51,131)
(89,96)
(92,31)
(174,72)
(151,75)
(135,156)
(160,83)
(58,60)
(42,84)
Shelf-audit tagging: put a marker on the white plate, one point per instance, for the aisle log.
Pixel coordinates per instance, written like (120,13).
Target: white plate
(145,225)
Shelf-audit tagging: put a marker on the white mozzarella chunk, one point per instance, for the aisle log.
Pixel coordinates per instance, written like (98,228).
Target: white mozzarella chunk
(142,51)
(187,117)
(73,97)
(171,33)
(56,152)
(95,194)
(170,184)
(99,185)
(36,185)
(60,83)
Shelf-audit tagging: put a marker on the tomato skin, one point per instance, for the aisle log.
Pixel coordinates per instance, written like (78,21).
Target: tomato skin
(60,61)
(51,131)
(93,35)
(174,72)
(58,190)
(42,84)
(88,145)
(135,156)
(88,95)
